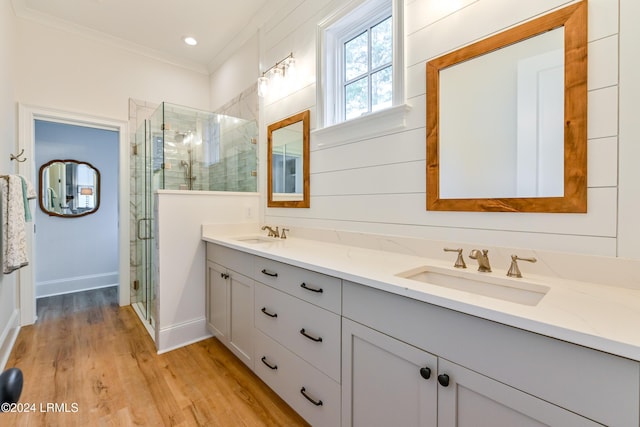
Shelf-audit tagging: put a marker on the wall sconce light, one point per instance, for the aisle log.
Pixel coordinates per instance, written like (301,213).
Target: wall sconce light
(273,78)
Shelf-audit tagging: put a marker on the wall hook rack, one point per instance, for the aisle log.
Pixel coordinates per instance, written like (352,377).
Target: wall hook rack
(17,158)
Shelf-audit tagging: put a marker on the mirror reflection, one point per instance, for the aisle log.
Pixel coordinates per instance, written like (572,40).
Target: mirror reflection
(511,102)
(69,188)
(288,162)
(507,120)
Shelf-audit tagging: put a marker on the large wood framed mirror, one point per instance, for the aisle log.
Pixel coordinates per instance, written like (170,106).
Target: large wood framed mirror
(507,120)
(69,188)
(288,162)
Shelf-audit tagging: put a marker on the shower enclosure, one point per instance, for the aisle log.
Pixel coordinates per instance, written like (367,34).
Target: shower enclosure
(180,148)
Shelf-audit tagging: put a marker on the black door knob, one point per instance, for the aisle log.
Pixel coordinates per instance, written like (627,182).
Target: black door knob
(443,379)
(425,373)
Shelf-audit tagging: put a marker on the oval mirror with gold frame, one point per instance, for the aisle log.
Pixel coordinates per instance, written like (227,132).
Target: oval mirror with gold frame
(485,152)
(69,188)
(288,162)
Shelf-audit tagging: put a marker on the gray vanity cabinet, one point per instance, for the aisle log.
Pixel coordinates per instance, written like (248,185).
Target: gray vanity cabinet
(386,382)
(229,300)
(342,353)
(478,373)
(217,291)
(472,399)
(298,341)
(389,382)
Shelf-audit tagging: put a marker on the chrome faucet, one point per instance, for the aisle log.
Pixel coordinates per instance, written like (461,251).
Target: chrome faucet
(483,259)
(272,232)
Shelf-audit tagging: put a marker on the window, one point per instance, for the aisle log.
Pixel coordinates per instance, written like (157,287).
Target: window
(361,69)
(367,70)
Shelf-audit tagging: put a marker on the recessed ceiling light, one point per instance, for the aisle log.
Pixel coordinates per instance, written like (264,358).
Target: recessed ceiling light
(191,41)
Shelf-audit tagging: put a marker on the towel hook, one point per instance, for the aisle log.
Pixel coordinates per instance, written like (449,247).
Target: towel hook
(17,158)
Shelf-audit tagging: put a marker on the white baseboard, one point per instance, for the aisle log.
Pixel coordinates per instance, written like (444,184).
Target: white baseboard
(8,338)
(180,335)
(76,284)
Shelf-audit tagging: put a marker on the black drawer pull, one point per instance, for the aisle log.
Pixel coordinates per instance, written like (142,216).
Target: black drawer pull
(269,273)
(270,366)
(303,332)
(425,373)
(224,276)
(264,310)
(309,398)
(305,286)
(443,379)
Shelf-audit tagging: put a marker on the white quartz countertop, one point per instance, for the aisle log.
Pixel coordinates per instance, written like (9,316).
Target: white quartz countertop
(602,317)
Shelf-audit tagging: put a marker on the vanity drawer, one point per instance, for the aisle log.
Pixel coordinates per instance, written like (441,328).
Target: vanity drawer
(316,288)
(232,259)
(287,374)
(308,331)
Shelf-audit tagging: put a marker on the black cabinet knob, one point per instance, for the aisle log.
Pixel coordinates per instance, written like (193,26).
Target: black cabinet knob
(425,373)
(443,379)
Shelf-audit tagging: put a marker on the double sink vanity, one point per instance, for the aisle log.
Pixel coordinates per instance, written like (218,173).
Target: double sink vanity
(348,335)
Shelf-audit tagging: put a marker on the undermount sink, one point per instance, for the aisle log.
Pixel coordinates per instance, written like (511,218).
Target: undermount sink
(255,239)
(487,284)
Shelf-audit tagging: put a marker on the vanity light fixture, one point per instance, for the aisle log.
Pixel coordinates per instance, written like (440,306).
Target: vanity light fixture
(191,41)
(273,78)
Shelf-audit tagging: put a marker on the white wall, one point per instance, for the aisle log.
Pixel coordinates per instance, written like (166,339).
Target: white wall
(236,74)
(629,136)
(76,73)
(180,262)
(76,254)
(377,184)
(8,287)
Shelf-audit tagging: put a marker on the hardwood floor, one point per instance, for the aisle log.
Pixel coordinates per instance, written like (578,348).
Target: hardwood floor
(88,362)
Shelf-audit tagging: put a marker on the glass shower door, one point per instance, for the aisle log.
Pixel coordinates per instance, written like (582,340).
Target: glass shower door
(148,176)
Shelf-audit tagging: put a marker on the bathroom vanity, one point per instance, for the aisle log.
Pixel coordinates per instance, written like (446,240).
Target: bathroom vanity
(353,336)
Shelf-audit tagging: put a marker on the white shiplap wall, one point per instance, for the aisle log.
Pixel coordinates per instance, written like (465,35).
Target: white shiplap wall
(377,183)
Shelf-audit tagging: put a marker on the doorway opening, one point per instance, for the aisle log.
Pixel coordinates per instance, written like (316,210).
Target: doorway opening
(28,117)
(76,240)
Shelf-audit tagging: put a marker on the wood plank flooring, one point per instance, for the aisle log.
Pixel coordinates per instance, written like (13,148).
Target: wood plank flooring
(89,362)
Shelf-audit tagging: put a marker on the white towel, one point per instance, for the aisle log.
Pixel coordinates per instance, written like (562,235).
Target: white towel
(14,244)
(31,191)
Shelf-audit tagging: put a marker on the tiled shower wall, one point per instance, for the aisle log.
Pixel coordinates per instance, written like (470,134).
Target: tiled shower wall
(235,173)
(238,170)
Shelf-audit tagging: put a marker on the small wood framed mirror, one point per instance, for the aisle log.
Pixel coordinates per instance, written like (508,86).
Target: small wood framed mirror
(507,120)
(288,162)
(69,188)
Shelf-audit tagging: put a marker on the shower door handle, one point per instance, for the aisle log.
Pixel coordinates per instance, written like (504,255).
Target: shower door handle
(138,228)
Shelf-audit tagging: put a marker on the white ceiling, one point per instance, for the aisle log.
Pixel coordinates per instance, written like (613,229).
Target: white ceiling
(156,27)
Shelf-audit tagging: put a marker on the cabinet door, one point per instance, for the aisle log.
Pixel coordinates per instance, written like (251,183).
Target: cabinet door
(241,317)
(217,301)
(473,400)
(386,382)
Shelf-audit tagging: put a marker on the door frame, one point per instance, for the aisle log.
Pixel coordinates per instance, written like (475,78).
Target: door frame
(27,115)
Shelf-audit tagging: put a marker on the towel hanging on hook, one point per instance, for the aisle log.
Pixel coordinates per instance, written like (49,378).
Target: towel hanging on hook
(17,158)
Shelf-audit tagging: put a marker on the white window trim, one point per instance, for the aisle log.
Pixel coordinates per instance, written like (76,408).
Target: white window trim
(382,122)
(327,71)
